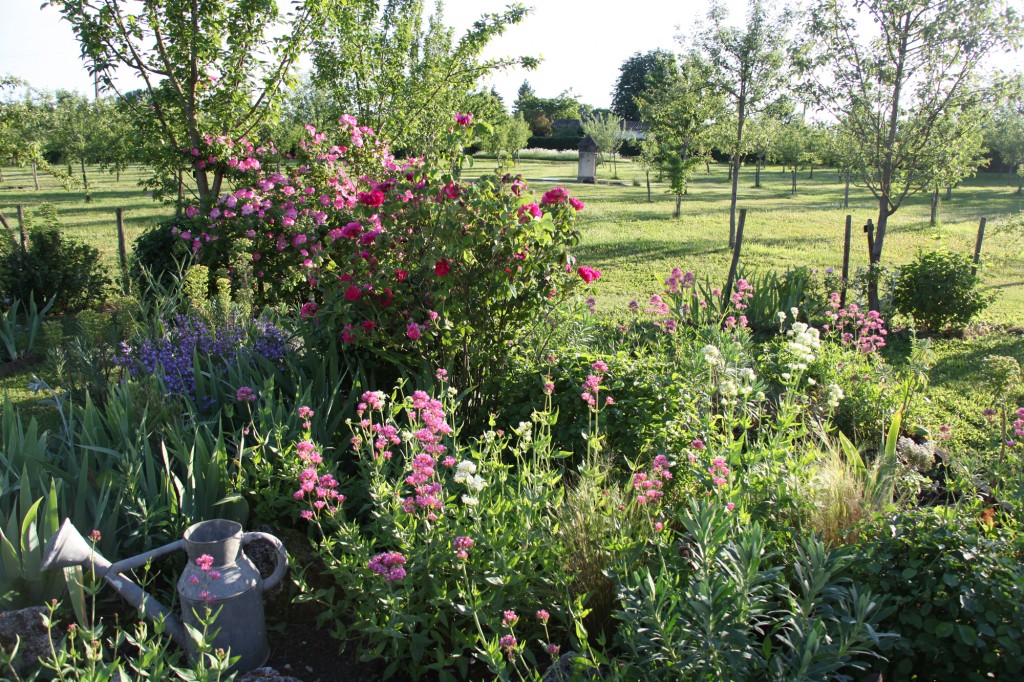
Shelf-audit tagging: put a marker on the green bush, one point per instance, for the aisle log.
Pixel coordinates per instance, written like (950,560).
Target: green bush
(54,267)
(938,290)
(954,585)
(160,251)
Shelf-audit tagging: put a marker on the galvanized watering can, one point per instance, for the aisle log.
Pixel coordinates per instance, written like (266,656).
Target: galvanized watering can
(219,579)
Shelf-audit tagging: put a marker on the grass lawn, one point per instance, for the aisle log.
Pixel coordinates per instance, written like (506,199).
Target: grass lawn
(635,243)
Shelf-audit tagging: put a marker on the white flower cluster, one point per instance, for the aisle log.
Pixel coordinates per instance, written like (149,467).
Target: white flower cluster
(713,356)
(737,382)
(835,394)
(465,473)
(803,342)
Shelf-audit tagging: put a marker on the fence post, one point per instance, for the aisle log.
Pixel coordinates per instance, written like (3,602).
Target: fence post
(122,255)
(869,230)
(21,225)
(977,246)
(847,238)
(735,258)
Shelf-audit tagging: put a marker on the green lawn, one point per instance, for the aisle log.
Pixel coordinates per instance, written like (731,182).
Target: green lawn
(635,243)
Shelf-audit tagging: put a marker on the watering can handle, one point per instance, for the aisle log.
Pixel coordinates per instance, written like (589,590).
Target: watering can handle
(282,557)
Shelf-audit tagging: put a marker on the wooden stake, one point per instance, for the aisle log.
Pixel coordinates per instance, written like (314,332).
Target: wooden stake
(869,230)
(846,259)
(122,254)
(977,246)
(735,258)
(35,175)
(3,221)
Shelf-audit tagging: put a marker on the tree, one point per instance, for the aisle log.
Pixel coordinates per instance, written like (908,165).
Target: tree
(606,132)
(210,67)
(793,148)
(76,132)
(539,112)
(761,136)
(749,65)
(961,157)
(401,77)
(636,76)
(901,89)
(518,135)
(682,111)
(1004,135)
(25,128)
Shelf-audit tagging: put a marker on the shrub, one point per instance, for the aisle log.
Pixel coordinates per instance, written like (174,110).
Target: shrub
(938,291)
(160,251)
(54,267)
(399,260)
(954,583)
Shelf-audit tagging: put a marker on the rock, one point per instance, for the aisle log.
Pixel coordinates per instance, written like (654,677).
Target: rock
(25,627)
(562,670)
(266,674)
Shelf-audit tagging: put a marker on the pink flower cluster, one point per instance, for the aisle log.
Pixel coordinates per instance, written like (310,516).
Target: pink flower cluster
(648,486)
(428,491)
(461,546)
(588,274)
(677,281)
(245,395)
(204,562)
(592,386)
(866,331)
(744,292)
(719,471)
(391,565)
(1018,424)
(508,619)
(320,490)
(508,645)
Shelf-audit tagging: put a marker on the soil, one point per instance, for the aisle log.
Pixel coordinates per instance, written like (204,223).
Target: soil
(301,650)
(11,368)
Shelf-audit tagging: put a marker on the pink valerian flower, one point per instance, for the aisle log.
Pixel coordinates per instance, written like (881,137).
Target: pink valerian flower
(308,309)
(463,119)
(509,618)
(649,485)
(318,490)
(441,374)
(245,395)
(588,274)
(549,387)
(554,196)
(744,292)
(945,432)
(305,412)
(719,471)
(553,650)
(95,536)
(204,562)
(308,453)
(461,546)
(853,327)
(730,506)
(391,565)
(543,616)
(508,645)
(658,306)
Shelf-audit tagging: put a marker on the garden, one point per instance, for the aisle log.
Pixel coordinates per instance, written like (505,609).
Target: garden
(304,397)
(400,373)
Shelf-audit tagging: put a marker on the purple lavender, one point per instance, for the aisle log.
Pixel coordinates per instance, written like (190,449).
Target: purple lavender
(186,339)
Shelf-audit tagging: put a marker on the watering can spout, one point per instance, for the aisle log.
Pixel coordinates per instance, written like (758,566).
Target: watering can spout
(67,548)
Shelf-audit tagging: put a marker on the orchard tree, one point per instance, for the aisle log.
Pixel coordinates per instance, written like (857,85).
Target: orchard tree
(402,76)
(961,157)
(606,132)
(76,134)
(209,67)
(682,111)
(902,77)
(26,126)
(636,76)
(1004,135)
(762,134)
(749,65)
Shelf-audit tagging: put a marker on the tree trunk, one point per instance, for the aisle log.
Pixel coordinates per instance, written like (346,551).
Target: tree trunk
(741,105)
(792,175)
(85,180)
(846,193)
(648,174)
(1020,184)
(679,206)
(876,254)
(935,208)
(757,176)
(811,176)
(707,167)
(949,192)
(35,175)
(119,175)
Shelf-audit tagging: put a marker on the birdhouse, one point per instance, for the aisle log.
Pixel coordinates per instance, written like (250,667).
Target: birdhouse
(588,160)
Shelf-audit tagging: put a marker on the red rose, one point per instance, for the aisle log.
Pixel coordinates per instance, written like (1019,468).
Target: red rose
(372,199)
(352,293)
(401,275)
(588,274)
(442,267)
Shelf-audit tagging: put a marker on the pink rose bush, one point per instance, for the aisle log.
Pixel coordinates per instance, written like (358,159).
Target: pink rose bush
(394,256)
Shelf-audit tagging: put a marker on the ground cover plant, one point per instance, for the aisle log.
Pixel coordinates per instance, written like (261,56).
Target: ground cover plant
(632,471)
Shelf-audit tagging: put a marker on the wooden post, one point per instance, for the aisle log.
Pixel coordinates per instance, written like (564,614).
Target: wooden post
(846,259)
(977,246)
(3,221)
(735,259)
(35,175)
(21,225)
(869,230)
(122,254)
(846,193)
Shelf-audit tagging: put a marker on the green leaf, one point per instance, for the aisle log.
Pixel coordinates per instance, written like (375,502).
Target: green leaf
(943,629)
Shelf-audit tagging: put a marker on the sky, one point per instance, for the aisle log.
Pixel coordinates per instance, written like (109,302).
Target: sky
(582,42)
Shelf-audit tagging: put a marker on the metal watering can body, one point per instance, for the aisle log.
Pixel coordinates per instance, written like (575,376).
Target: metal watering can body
(219,580)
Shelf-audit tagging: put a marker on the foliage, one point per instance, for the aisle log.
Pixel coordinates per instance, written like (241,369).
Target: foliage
(19,339)
(638,74)
(25,526)
(939,290)
(952,626)
(159,253)
(737,611)
(404,80)
(539,112)
(54,268)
